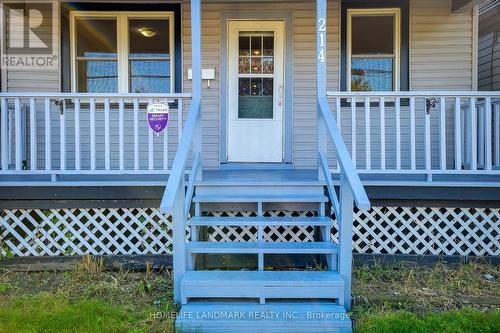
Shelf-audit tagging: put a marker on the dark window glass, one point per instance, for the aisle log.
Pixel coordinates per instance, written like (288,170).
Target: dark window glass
(372,35)
(372,58)
(149,55)
(96,51)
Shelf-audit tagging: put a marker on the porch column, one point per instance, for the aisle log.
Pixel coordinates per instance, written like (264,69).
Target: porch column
(320,76)
(196,47)
(321,48)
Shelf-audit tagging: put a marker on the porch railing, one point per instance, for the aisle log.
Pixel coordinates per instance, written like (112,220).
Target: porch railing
(427,133)
(71,134)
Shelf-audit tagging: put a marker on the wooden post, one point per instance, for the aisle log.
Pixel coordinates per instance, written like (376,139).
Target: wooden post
(196,47)
(179,240)
(345,237)
(196,63)
(320,75)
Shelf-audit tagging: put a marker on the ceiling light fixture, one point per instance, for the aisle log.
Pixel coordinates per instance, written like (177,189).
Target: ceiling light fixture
(148,32)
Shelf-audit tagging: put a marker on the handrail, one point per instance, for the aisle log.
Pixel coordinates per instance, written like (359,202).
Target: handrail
(192,180)
(329,183)
(177,173)
(343,157)
(409,94)
(95,95)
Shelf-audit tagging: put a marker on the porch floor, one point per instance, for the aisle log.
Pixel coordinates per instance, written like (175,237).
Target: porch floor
(271,177)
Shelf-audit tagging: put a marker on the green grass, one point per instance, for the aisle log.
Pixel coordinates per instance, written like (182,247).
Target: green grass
(459,321)
(400,298)
(55,313)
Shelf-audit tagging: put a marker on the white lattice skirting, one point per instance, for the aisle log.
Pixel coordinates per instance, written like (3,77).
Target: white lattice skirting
(390,230)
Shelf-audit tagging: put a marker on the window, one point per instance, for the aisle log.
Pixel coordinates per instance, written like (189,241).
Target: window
(256,75)
(122,52)
(373,49)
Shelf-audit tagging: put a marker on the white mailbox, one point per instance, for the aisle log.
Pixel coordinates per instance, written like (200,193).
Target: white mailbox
(206,74)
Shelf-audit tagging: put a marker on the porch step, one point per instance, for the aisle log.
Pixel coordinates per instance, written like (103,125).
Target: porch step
(262,247)
(201,221)
(250,317)
(262,198)
(262,285)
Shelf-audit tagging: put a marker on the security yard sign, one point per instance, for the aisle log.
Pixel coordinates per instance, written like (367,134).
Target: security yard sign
(158,117)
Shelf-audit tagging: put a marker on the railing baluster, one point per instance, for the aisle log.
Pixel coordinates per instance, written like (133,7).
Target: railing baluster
(497,133)
(353,131)
(413,153)
(92,134)
(33,147)
(165,145)
(338,107)
(136,134)
(150,146)
(398,133)
(121,107)
(18,136)
(180,115)
(487,133)
(48,141)
(427,143)
(107,154)
(442,132)
(62,143)
(473,140)
(78,156)
(481,136)
(4,138)
(458,135)
(368,147)
(382,133)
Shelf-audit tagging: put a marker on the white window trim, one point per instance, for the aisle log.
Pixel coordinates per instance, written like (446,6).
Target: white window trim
(122,43)
(396,12)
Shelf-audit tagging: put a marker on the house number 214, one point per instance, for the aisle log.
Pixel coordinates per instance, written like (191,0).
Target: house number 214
(322,36)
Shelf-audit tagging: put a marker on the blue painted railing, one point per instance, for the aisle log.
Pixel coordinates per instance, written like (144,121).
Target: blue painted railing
(176,200)
(351,190)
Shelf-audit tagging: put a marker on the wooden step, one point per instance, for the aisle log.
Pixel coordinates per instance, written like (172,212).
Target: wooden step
(250,317)
(262,247)
(202,221)
(260,198)
(262,285)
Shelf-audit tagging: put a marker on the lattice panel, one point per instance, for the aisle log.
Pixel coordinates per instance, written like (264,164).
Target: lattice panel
(269,234)
(37,232)
(425,230)
(392,230)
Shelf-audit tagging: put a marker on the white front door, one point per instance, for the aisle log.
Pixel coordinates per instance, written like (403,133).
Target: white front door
(255,91)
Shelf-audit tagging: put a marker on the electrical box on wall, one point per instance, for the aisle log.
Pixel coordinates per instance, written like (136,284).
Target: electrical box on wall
(206,74)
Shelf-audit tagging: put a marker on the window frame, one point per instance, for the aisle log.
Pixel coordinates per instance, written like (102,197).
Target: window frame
(396,12)
(122,35)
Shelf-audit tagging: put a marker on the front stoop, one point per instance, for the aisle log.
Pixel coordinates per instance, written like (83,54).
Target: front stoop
(272,317)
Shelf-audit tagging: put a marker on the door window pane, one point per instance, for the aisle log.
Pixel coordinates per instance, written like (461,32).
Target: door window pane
(149,56)
(256,90)
(244,45)
(259,103)
(372,52)
(96,55)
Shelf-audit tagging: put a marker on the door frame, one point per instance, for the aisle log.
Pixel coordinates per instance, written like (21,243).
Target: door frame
(287,18)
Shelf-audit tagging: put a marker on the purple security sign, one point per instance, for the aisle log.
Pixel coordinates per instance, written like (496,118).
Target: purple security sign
(158,117)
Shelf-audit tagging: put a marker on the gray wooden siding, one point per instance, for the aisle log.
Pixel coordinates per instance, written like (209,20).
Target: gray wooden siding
(440,47)
(304,85)
(440,59)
